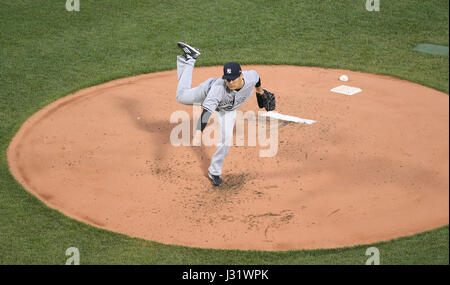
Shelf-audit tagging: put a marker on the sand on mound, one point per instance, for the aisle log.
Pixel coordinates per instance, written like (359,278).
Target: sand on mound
(373,167)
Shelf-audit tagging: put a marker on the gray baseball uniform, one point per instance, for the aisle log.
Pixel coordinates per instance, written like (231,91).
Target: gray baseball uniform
(214,95)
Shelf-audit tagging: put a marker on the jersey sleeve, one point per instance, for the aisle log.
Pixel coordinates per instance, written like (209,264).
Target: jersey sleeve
(213,98)
(253,76)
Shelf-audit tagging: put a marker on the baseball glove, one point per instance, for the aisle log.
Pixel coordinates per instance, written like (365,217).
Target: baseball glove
(266,100)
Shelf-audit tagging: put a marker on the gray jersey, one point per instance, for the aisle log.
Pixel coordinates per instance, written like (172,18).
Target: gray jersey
(220,98)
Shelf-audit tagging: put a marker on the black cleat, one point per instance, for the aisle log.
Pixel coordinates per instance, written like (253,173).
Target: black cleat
(215,179)
(189,51)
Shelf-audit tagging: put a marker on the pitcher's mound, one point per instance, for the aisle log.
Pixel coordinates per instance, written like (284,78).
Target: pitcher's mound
(374,166)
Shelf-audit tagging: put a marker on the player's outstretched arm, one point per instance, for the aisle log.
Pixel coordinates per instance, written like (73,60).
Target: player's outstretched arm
(201,125)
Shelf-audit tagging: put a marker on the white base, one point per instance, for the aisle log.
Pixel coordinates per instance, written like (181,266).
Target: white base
(346,90)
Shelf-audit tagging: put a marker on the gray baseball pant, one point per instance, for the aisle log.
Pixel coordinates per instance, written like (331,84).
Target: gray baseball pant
(189,96)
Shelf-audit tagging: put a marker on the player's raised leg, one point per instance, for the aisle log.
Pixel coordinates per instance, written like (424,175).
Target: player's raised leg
(184,71)
(189,51)
(185,67)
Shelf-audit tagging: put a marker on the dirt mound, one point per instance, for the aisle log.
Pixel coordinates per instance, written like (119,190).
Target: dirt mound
(373,167)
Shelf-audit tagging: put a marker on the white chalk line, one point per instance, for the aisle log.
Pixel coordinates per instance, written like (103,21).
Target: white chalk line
(283,117)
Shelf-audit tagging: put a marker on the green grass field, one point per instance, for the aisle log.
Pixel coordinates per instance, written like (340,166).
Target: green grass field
(47,52)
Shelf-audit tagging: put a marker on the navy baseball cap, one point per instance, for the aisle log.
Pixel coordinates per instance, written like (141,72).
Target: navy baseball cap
(231,70)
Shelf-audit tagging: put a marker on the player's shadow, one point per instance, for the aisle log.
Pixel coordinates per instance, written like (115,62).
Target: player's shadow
(202,157)
(160,129)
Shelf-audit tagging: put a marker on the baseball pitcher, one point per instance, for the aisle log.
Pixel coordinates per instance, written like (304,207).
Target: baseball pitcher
(223,95)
